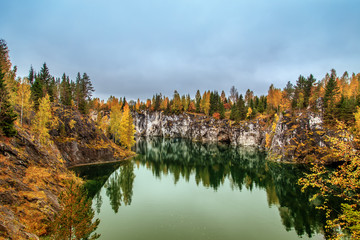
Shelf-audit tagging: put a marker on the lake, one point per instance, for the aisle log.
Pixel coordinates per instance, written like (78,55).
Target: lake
(178,189)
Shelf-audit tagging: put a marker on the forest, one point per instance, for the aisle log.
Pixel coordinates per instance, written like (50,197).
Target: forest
(29,102)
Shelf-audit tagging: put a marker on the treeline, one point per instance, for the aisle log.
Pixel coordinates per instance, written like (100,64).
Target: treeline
(337,96)
(28,93)
(62,90)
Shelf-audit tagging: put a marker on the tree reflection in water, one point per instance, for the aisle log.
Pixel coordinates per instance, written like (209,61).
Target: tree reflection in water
(119,186)
(246,168)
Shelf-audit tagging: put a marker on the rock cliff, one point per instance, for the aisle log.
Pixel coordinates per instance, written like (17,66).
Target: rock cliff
(292,130)
(199,128)
(297,136)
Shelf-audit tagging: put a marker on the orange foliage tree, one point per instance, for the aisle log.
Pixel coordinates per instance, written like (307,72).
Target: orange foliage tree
(274,97)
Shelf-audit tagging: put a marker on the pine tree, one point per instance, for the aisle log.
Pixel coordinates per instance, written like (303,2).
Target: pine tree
(31,75)
(7,114)
(197,101)
(37,92)
(127,128)
(331,91)
(74,221)
(46,81)
(65,90)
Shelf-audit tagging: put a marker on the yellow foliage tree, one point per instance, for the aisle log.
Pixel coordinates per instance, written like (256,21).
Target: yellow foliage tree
(127,128)
(24,99)
(249,112)
(274,97)
(42,120)
(205,102)
(342,183)
(115,119)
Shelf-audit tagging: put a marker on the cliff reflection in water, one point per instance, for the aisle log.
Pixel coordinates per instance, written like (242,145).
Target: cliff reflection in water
(246,168)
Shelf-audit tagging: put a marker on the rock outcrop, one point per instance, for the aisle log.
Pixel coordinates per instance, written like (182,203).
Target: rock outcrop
(80,142)
(293,131)
(298,136)
(199,128)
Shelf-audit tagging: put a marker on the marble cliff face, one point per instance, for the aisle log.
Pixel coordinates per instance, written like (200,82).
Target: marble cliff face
(248,133)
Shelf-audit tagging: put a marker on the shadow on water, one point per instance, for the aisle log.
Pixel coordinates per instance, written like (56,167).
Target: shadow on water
(211,165)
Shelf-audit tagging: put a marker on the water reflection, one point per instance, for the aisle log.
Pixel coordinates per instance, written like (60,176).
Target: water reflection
(116,178)
(245,168)
(119,186)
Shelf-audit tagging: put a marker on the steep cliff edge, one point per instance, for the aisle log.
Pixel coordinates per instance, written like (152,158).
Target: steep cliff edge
(32,175)
(290,139)
(199,128)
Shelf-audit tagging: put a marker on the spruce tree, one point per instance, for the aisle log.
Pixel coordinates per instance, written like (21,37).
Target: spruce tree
(331,90)
(47,82)
(31,75)
(65,90)
(7,114)
(197,101)
(37,92)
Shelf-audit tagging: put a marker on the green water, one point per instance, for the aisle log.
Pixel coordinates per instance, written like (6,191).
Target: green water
(177,189)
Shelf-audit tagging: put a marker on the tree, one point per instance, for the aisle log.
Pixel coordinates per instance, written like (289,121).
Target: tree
(42,119)
(7,114)
(115,119)
(24,99)
(197,101)
(65,90)
(223,96)
(74,221)
(233,95)
(342,183)
(274,97)
(249,113)
(238,110)
(84,92)
(177,106)
(4,57)
(331,91)
(31,76)
(37,92)
(249,95)
(46,81)
(127,128)
(205,103)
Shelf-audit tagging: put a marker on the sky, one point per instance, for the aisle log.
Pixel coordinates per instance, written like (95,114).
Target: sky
(137,48)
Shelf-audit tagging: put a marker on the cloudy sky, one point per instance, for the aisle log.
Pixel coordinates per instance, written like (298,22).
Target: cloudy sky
(136,48)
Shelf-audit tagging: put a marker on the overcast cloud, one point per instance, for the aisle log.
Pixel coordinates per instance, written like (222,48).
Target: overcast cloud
(140,47)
